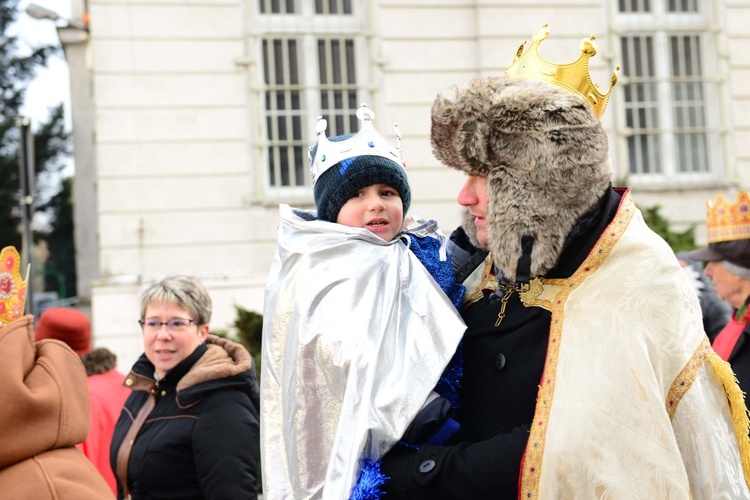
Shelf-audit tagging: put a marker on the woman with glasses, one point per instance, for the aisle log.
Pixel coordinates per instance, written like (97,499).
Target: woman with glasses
(189,429)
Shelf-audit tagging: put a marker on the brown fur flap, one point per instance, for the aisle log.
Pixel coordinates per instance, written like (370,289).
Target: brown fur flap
(545,155)
(222,359)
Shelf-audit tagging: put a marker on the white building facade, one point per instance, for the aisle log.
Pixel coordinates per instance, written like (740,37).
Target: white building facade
(203,112)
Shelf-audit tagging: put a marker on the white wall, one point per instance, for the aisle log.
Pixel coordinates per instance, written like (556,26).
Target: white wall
(175,130)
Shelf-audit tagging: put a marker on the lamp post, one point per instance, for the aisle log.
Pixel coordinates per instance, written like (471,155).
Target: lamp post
(39,12)
(26,183)
(74,37)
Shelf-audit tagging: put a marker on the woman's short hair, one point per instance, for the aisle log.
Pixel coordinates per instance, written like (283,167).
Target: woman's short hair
(183,291)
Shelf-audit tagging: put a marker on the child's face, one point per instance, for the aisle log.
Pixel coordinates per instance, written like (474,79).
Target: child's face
(377,207)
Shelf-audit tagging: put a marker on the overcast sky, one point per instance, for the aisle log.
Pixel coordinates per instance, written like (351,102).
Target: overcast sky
(51,86)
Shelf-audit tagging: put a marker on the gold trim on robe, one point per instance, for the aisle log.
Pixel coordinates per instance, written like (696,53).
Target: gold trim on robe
(626,339)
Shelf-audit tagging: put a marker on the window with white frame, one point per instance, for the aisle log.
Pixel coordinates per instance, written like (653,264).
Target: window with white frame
(671,108)
(314,63)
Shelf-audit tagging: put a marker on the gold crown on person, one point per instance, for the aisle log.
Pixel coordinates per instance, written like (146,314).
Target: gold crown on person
(728,221)
(574,76)
(12,286)
(366,142)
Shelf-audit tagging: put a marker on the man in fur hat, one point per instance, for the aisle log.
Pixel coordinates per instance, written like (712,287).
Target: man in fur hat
(586,371)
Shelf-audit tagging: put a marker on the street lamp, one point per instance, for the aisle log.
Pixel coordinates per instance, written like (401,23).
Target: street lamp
(74,38)
(26,184)
(39,12)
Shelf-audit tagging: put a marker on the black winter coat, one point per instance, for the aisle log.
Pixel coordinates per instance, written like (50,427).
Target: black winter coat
(501,373)
(740,359)
(201,438)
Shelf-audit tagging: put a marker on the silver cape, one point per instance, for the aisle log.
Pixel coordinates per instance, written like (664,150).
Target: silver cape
(356,334)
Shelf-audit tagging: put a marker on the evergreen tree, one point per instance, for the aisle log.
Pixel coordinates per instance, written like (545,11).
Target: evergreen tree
(678,241)
(60,269)
(51,145)
(249,325)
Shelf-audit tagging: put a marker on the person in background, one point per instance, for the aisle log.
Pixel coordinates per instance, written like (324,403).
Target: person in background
(43,406)
(716,312)
(189,429)
(727,259)
(587,373)
(107,395)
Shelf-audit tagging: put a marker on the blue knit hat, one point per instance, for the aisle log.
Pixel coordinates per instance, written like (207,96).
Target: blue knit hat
(342,181)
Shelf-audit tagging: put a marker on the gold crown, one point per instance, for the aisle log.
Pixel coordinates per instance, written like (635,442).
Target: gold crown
(12,286)
(573,77)
(728,222)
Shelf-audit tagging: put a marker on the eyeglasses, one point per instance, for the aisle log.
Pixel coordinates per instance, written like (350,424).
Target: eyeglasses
(177,325)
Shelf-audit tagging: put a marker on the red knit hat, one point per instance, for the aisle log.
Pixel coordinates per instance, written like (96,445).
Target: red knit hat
(67,325)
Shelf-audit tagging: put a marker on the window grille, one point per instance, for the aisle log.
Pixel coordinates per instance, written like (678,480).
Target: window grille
(283,112)
(276,6)
(641,103)
(333,6)
(670,105)
(309,69)
(338,91)
(683,6)
(688,103)
(634,5)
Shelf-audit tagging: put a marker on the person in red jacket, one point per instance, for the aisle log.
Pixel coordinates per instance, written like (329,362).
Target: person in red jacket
(107,395)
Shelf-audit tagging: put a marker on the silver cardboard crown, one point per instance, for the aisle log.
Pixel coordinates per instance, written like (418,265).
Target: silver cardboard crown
(367,142)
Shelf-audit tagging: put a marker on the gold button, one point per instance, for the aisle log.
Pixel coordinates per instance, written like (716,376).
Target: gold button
(153,391)
(129,382)
(163,393)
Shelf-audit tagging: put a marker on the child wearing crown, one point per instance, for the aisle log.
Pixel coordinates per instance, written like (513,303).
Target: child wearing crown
(357,333)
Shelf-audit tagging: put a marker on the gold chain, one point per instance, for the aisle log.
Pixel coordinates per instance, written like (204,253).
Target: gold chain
(509,289)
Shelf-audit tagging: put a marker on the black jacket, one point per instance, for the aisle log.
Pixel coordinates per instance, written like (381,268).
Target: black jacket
(716,312)
(201,438)
(501,374)
(740,359)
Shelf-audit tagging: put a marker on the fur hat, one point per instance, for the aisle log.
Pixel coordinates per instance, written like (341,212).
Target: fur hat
(544,153)
(340,182)
(67,325)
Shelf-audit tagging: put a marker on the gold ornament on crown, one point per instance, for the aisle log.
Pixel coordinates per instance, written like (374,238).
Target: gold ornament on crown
(573,77)
(12,286)
(728,222)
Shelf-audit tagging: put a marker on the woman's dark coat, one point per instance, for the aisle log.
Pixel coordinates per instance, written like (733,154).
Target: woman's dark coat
(201,438)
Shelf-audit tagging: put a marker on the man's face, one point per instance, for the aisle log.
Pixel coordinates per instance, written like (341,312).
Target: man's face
(729,287)
(474,197)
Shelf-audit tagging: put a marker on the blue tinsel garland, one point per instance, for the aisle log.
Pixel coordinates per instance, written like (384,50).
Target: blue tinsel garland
(371,478)
(369,482)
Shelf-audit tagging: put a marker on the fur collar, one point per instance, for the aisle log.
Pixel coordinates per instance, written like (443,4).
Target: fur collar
(222,359)
(544,153)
